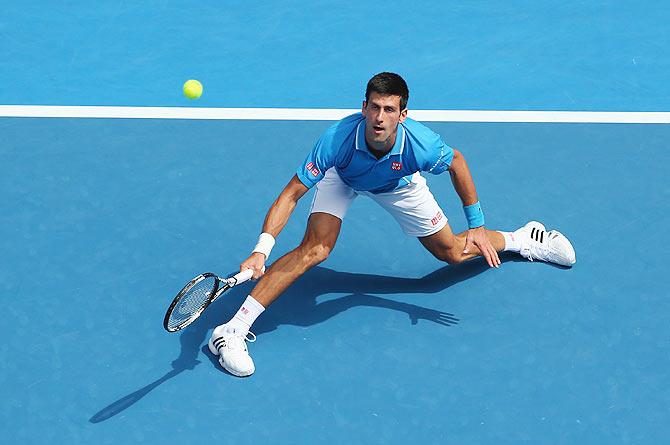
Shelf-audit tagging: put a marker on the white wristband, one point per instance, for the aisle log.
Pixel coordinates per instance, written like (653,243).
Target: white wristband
(265,244)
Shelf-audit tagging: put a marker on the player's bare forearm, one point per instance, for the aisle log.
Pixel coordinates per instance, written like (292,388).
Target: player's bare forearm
(283,207)
(275,220)
(478,240)
(461,178)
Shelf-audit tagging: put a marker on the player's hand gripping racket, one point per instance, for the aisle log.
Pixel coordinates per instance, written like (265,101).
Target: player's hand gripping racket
(199,293)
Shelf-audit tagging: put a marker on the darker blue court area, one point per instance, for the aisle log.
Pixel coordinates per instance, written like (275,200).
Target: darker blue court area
(104,220)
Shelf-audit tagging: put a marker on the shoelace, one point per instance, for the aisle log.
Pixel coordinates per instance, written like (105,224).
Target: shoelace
(526,249)
(525,252)
(237,342)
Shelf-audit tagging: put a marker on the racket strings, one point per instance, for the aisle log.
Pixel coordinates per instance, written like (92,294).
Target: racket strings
(192,302)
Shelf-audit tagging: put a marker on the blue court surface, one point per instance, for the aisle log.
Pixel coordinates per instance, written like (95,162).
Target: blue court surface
(103,221)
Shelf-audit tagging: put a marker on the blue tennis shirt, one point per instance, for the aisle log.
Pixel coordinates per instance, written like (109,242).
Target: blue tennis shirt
(343,146)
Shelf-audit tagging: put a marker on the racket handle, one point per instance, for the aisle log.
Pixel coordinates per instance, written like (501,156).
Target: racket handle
(243,276)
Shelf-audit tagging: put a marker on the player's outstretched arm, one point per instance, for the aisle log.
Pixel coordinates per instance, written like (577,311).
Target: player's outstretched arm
(283,207)
(465,187)
(275,220)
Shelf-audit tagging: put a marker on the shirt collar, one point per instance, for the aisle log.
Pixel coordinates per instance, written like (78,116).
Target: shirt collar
(397,148)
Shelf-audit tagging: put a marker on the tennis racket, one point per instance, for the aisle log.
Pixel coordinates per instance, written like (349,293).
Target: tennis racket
(199,293)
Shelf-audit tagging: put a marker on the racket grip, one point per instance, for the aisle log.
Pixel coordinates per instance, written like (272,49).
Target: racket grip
(243,276)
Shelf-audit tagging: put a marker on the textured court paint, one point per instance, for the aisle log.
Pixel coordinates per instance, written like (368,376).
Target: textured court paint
(519,55)
(103,220)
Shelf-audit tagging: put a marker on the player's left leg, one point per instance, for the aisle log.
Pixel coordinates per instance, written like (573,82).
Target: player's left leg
(531,241)
(414,207)
(420,216)
(446,246)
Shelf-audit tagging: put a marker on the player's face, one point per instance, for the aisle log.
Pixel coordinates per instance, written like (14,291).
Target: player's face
(382,116)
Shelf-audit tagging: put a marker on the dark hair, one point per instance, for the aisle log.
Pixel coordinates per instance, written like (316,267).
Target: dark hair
(388,84)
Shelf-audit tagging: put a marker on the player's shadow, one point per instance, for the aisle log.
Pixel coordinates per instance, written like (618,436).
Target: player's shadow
(298,306)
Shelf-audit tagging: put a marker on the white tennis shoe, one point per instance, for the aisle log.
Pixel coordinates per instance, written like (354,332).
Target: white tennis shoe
(231,347)
(538,244)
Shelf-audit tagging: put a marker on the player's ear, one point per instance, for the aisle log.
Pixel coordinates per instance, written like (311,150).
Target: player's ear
(403,115)
(365,104)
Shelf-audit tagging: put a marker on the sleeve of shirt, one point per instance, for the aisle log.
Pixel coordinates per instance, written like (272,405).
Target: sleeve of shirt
(438,156)
(321,158)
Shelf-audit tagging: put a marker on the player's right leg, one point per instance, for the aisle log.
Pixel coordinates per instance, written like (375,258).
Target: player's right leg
(331,202)
(319,240)
(228,340)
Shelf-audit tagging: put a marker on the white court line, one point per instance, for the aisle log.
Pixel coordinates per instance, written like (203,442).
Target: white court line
(321,114)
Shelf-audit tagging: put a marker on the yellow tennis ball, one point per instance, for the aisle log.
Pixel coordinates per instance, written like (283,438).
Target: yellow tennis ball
(192,89)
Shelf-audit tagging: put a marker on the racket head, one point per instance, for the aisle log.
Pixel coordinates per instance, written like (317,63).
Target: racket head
(189,303)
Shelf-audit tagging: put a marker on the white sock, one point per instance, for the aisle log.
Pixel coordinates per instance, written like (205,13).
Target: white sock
(246,315)
(512,242)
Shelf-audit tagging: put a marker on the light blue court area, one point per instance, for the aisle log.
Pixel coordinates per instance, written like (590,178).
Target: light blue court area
(103,221)
(478,54)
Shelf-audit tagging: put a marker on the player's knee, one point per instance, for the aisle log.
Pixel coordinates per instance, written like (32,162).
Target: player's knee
(451,256)
(316,254)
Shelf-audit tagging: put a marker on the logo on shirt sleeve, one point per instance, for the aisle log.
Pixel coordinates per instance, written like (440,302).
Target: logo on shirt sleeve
(437,219)
(312,169)
(396,165)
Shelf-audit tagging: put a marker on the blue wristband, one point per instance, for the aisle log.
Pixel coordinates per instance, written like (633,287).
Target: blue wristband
(474,215)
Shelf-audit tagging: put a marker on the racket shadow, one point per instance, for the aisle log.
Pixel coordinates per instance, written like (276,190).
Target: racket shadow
(298,307)
(190,338)
(132,398)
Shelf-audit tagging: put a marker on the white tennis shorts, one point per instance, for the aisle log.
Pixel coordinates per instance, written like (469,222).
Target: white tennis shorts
(413,206)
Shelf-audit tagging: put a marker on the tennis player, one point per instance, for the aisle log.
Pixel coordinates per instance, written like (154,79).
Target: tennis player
(379,153)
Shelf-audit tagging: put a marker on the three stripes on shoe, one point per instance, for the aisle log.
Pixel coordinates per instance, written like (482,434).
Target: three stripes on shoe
(220,341)
(538,235)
